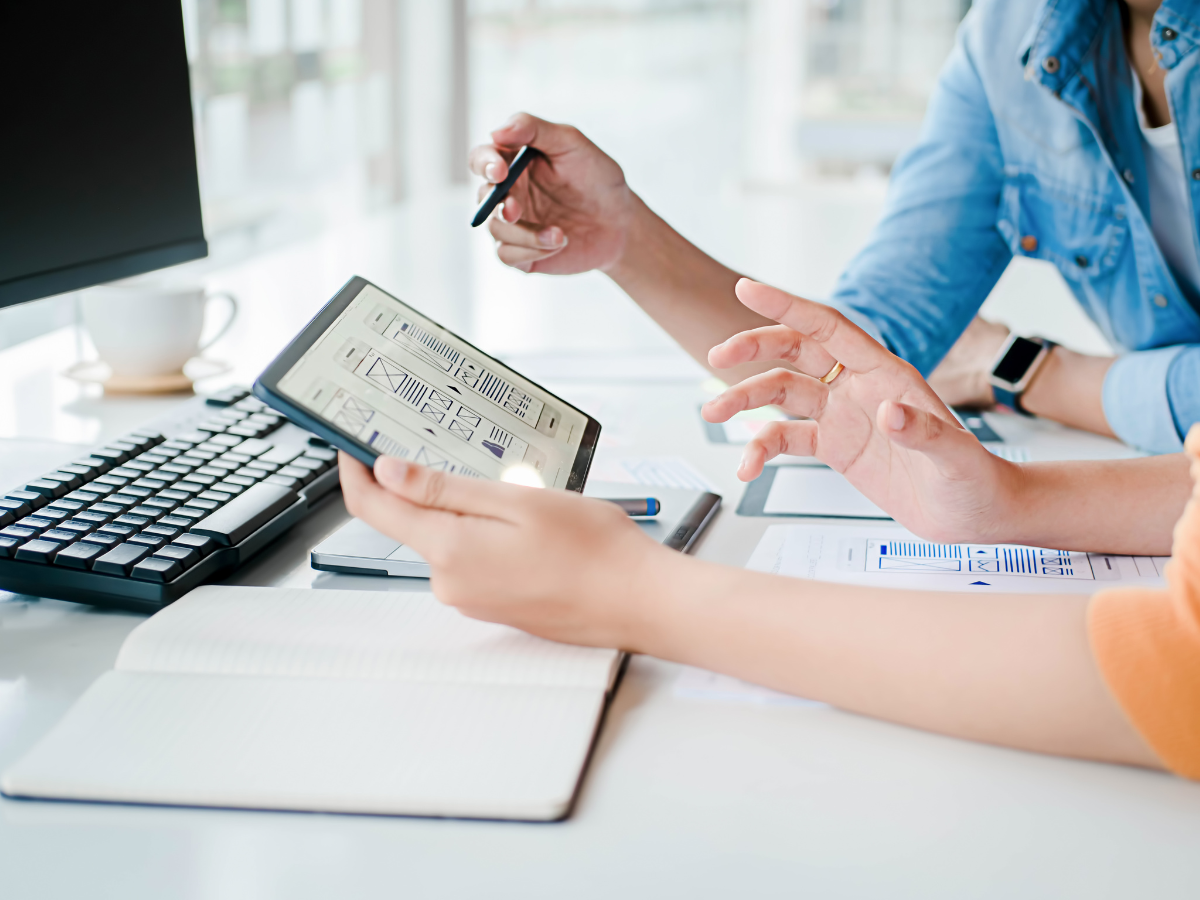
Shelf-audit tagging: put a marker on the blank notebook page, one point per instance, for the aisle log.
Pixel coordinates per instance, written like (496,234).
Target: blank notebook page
(351,634)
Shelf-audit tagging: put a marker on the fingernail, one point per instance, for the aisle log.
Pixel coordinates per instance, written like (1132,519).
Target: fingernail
(550,237)
(742,465)
(489,172)
(390,468)
(896,417)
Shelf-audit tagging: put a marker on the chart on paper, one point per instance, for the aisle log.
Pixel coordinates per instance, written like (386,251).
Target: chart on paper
(892,557)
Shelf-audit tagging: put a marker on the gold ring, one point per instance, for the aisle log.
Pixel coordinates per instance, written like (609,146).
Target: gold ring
(832,373)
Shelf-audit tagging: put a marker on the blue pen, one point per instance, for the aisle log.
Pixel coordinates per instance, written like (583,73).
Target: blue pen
(638,506)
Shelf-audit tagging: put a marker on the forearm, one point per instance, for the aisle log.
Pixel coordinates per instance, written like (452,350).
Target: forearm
(683,289)
(1014,670)
(1126,506)
(1069,389)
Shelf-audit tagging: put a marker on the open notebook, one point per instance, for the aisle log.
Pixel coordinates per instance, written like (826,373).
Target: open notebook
(332,701)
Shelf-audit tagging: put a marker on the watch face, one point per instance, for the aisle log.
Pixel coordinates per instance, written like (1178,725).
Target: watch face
(1017,360)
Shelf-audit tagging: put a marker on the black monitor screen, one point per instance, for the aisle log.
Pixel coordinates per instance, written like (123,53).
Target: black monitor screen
(97,155)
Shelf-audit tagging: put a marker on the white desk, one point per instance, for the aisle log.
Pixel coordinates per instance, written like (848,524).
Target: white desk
(685,798)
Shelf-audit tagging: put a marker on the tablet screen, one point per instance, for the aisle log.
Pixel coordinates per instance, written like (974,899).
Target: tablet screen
(403,385)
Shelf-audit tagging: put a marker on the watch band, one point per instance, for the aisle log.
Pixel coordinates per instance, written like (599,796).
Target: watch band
(1010,399)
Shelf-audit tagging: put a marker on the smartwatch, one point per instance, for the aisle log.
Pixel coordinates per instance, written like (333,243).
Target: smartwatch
(1015,367)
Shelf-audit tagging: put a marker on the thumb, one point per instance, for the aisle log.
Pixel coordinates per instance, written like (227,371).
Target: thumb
(951,448)
(549,137)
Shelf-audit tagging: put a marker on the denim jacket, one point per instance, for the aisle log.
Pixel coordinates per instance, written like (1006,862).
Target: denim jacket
(1031,146)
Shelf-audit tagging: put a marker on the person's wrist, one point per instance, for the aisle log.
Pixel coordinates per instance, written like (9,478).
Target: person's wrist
(651,617)
(638,231)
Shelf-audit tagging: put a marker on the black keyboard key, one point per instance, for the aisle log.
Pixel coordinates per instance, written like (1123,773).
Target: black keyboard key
(238,459)
(67,505)
(112,455)
(288,481)
(18,508)
(123,499)
(48,489)
(145,512)
(9,545)
(214,449)
(20,532)
(253,447)
(215,496)
(261,418)
(252,474)
(200,457)
(107,509)
(126,447)
(37,523)
(178,444)
(120,559)
(215,469)
(226,440)
(95,516)
(247,431)
(114,481)
(160,475)
(78,556)
(93,462)
(139,491)
(176,497)
(305,475)
(141,465)
(87,473)
(165,531)
(202,544)
(35,500)
(174,521)
(244,515)
(141,442)
(228,487)
(323,452)
(74,528)
(281,456)
(160,502)
(188,514)
(185,556)
(103,538)
(38,551)
(91,495)
(259,466)
(151,484)
(67,479)
(155,436)
(316,465)
(133,521)
(232,415)
(204,503)
(242,480)
(192,437)
(249,404)
(7,518)
(227,397)
(212,426)
(147,540)
(179,468)
(156,568)
(201,479)
(125,472)
(119,529)
(61,534)
(155,458)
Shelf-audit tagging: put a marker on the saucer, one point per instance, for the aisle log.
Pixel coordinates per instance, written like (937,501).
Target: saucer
(98,372)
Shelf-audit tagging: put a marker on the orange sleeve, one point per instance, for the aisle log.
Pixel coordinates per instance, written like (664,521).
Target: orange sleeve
(1147,644)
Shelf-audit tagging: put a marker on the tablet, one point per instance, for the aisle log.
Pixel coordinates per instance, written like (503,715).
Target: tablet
(373,376)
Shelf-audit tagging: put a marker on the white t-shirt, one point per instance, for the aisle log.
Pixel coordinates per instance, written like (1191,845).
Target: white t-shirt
(1170,208)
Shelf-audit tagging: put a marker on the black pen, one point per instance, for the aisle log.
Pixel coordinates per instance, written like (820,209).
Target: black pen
(520,163)
(638,506)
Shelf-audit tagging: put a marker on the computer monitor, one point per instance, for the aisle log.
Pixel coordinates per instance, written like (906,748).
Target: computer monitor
(97,155)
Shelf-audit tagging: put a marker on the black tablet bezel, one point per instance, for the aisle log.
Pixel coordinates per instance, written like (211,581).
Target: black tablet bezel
(266,388)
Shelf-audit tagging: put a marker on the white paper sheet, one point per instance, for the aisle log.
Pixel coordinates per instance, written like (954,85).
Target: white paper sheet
(885,555)
(817,491)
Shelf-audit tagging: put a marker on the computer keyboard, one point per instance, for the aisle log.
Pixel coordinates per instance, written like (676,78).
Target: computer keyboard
(141,521)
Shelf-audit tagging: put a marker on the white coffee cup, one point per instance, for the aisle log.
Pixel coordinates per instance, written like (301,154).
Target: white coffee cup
(144,330)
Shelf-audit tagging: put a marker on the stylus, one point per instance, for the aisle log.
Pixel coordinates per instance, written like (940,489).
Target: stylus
(519,164)
(638,506)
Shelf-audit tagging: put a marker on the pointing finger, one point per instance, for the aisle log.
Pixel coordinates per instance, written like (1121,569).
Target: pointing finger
(776,438)
(770,343)
(800,395)
(840,337)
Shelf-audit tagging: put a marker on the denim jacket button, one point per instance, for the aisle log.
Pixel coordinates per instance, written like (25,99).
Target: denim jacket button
(1050,64)
(1195,174)
(1128,175)
(1029,243)
(1081,261)
(1160,301)
(1169,34)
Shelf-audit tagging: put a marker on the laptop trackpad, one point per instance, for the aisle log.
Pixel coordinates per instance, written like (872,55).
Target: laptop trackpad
(404,553)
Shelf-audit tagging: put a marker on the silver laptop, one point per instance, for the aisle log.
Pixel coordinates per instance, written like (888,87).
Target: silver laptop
(358,549)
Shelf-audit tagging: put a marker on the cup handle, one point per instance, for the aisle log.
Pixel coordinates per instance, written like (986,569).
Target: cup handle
(233,313)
